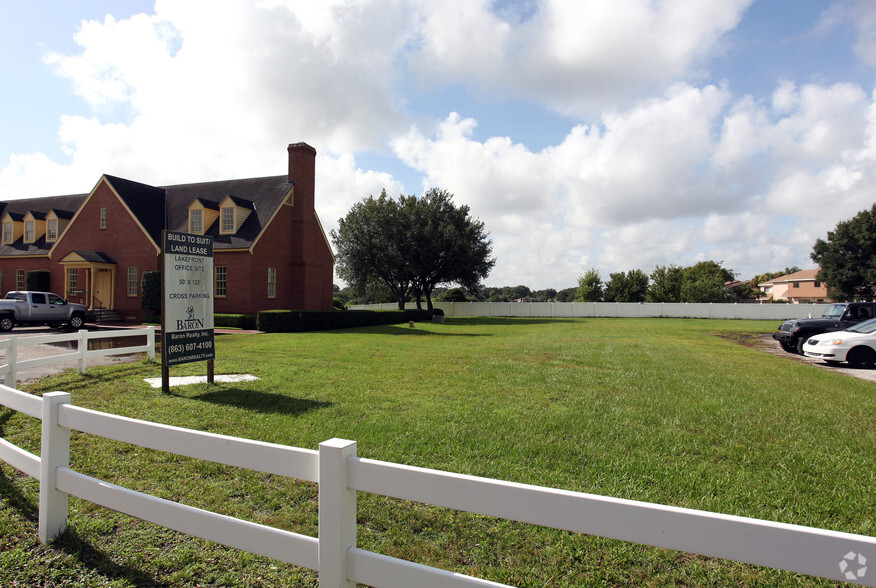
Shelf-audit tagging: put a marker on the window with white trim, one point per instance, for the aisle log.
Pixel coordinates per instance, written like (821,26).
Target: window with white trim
(272,282)
(72,282)
(221,280)
(52,229)
(196,221)
(227,220)
(133,284)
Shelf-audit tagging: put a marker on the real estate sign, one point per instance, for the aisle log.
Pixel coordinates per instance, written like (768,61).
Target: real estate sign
(187,323)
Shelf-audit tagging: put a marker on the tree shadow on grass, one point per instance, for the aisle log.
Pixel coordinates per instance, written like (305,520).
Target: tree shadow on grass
(71,543)
(260,401)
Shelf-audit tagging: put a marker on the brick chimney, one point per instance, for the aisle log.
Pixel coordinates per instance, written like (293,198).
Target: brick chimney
(302,166)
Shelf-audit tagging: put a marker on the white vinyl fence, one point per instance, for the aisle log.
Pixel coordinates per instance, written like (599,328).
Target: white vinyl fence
(81,355)
(340,474)
(777,312)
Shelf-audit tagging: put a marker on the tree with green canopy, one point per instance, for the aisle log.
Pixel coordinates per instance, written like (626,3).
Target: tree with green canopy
(412,245)
(848,258)
(589,287)
(631,286)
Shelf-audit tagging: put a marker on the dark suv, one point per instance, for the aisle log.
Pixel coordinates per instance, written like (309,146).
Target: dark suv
(792,334)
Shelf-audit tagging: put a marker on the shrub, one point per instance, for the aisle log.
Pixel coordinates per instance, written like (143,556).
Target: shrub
(38,280)
(297,321)
(150,293)
(235,321)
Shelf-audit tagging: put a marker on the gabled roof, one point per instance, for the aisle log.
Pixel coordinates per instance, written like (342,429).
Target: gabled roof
(145,202)
(64,207)
(800,276)
(87,256)
(151,205)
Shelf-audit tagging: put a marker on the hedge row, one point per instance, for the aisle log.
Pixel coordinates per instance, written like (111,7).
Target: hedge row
(235,321)
(298,321)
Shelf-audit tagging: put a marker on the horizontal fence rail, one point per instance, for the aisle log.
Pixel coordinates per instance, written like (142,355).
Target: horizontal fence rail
(81,355)
(778,312)
(341,474)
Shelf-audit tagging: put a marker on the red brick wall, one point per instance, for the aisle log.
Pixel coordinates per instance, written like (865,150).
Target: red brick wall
(9,268)
(122,240)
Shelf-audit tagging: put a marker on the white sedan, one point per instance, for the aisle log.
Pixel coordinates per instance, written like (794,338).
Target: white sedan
(856,345)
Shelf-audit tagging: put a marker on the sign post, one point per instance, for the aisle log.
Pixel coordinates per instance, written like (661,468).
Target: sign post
(187,309)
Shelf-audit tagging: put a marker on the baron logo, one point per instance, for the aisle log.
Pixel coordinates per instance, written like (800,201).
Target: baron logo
(191,322)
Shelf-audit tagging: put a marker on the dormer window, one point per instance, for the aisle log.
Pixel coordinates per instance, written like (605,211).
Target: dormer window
(202,215)
(34,226)
(56,222)
(233,212)
(227,225)
(13,227)
(52,229)
(196,221)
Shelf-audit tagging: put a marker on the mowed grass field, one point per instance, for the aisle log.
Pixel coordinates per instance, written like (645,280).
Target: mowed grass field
(678,412)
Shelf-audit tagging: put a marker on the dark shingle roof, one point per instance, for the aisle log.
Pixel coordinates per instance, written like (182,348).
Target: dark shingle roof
(151,205)
(262,195)
(64,207)
(93,256)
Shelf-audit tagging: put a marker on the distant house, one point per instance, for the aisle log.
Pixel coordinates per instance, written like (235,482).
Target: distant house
(270,251)
(799,287)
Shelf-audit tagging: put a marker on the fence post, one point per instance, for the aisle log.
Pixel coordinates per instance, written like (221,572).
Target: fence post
(11,359)
(54,453)
(83,351)
(150,342)
(337,513)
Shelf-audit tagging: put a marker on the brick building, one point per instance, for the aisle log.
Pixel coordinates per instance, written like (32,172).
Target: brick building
(270,251)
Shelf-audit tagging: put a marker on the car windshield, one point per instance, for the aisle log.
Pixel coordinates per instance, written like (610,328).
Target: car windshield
(865,327)
(834,311)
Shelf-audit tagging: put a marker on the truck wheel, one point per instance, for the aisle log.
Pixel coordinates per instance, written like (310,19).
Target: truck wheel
(800,341)
(789,347)
(6,323)
(76,321)
(861,357)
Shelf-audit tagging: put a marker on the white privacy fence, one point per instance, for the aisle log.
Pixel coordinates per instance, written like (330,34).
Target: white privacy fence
(81,355)
(778,312)
(341,474)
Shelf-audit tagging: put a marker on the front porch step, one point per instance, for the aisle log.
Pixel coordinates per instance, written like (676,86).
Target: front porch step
(104,315)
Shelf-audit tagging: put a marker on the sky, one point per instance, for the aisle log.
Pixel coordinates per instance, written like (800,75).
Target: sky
(585,134)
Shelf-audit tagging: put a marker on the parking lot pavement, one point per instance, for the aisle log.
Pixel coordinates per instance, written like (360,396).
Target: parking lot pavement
(769,345)
(36,351)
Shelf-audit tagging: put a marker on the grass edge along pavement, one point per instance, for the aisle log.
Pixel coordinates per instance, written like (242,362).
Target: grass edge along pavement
(658,410)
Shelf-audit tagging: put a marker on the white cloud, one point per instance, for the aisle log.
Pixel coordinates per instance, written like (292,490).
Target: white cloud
(655,168)
(576,57)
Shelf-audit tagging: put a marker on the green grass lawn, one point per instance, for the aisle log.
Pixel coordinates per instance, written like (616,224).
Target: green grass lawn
(669,411)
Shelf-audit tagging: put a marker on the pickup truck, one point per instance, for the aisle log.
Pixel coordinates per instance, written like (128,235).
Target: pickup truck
(792,334)
(39,308)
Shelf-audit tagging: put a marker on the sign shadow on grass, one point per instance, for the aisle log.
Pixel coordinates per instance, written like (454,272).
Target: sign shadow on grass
(265,402)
